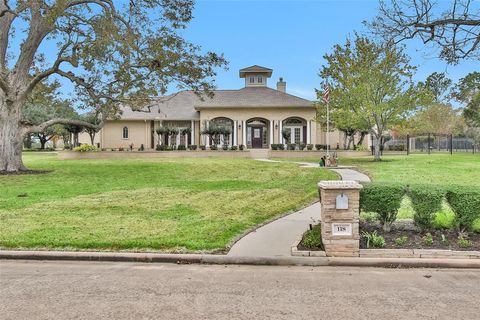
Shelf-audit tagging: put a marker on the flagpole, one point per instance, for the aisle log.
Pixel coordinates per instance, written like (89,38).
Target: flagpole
(327,91)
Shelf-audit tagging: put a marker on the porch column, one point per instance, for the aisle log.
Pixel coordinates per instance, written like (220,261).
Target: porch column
(308,132)
(244,133)
(271,132)
(280,138)
(192,132)
(235,132)
(207,140)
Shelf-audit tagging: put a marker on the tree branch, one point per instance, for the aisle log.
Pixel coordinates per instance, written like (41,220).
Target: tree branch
(41,127)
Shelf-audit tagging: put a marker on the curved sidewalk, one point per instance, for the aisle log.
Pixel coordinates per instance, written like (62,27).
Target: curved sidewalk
(277,237)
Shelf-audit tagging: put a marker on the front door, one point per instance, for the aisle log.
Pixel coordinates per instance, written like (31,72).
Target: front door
(257,137)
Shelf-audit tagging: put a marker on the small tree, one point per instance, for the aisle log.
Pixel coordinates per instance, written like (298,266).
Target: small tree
(162,132)
(373,81)
(286,134)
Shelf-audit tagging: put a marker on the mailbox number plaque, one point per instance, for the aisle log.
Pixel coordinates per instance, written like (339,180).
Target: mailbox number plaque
(342,229)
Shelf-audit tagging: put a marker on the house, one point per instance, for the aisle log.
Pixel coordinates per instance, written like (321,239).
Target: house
(254,116)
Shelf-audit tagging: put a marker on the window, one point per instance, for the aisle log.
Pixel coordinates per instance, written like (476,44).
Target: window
(297,135)
(252,79)
(125,133)
(259,79)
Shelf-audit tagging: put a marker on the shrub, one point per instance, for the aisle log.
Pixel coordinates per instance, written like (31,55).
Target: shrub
(181,147)
(309,146)
(426,201)
(321,146)
(401,241)
(373,238)
(312,239)
(428,239)
(241,147)
(361,148)
(383,199)
(213,147)
(281,146)
(291,146)
(192,147)
(203,147)
(225,147)
(274,146)
(121,149)
(85,148)
(302,146)
(464,243)
(465,203)
(234,148)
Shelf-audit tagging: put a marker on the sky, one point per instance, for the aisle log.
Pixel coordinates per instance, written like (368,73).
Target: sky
(291,38)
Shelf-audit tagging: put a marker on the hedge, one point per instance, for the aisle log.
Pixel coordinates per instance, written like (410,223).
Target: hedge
(465,202)
(426,201)
(383,199)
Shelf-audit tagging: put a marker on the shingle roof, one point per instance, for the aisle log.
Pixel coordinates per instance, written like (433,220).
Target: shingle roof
(255,69)
(253,97)
(184,104)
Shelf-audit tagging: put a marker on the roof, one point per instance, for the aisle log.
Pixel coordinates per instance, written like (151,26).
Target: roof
(178,106)
(184,105)
(253,97)
(255,69)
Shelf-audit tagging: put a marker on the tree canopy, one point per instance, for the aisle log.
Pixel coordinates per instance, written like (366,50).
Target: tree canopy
(112,52)
(372,82)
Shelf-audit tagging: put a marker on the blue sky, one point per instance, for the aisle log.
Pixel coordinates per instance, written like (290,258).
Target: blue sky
(291,37)
(288,36)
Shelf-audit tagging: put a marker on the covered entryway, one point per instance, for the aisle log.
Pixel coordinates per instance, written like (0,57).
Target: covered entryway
(257,133)
(294,130)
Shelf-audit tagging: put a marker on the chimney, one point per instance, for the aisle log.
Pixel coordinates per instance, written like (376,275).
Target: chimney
(281,85)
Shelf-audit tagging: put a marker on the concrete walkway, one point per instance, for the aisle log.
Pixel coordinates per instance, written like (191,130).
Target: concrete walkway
(277,237)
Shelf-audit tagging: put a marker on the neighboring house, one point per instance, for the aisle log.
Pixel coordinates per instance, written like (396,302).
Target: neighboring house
(255,115)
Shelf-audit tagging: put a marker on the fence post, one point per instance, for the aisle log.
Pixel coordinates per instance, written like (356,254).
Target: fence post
(408,144)
(451,143)
(428,144)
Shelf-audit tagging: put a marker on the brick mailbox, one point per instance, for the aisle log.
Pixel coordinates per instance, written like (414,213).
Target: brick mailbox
(339,217)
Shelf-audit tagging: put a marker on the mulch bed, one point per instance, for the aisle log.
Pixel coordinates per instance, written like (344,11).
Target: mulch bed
(415,238)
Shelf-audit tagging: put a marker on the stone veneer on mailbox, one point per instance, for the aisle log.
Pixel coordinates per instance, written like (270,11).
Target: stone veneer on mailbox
(340,229)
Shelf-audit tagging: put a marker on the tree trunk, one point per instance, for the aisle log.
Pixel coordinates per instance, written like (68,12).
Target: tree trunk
(75,139)
(362,136)
(377,148)
(11,139)
(27,141)
(43,140)
(92,136)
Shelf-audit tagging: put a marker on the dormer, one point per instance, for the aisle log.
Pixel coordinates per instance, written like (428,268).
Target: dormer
(255,76)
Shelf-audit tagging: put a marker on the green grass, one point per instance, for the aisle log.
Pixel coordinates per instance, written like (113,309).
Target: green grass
(147,204)
(443,170)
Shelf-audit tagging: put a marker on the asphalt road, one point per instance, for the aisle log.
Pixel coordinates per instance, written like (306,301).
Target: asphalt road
(101,290)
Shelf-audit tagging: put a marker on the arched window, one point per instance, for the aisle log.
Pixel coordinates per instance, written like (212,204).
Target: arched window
(125,133)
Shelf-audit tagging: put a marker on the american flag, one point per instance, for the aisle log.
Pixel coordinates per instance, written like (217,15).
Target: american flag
(326,93)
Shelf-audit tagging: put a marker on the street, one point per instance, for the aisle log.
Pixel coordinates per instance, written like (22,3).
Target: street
(107,290)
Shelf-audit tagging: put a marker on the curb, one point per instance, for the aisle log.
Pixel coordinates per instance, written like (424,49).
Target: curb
(223,259)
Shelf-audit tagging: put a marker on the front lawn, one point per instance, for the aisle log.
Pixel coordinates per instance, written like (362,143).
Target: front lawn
(443,170)
(147,204)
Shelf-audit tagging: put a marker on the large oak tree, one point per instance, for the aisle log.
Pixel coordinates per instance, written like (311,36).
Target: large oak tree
(112,53)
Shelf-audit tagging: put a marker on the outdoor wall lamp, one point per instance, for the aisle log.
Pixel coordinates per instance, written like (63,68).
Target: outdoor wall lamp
(239,126)
(276,126)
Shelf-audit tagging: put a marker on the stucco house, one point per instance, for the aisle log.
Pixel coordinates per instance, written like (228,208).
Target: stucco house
(255,115)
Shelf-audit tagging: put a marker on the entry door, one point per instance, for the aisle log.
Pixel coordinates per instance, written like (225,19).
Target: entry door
(257,137)
(296,135)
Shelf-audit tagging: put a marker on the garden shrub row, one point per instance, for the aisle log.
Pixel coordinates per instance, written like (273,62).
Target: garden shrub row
(292,146)
(385,199)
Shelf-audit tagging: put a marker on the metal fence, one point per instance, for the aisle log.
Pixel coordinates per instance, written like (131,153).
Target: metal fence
(430,144)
